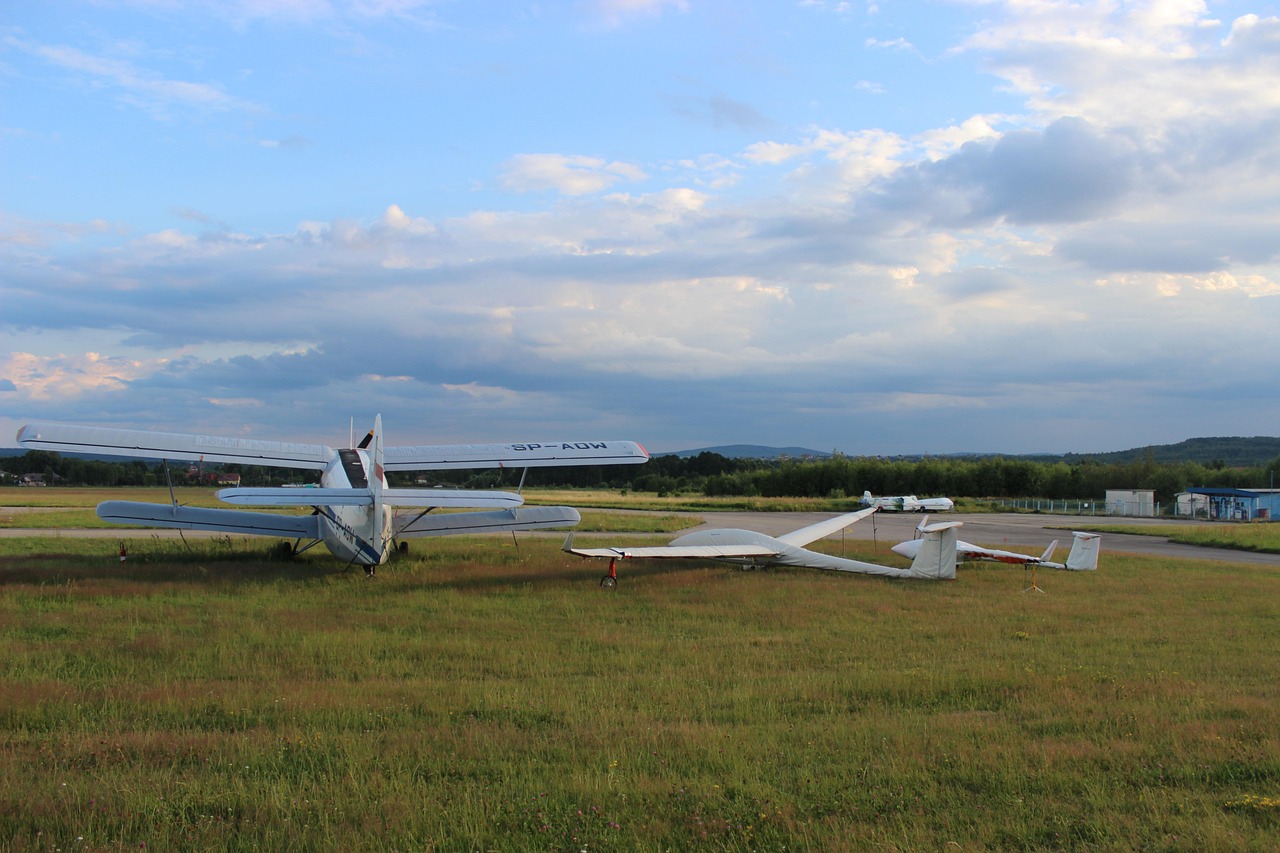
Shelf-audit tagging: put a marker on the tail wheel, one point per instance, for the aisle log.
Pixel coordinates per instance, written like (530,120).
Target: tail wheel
(610,581)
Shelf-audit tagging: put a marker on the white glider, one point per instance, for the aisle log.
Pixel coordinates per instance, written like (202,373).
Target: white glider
(934,560)
(353,507)
(1082,558)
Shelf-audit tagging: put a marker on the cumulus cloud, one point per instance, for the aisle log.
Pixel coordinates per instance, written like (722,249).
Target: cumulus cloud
(566,174)
(38,377)
(1069,172)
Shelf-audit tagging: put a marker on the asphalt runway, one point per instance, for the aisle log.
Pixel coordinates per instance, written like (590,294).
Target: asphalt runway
(1026,532)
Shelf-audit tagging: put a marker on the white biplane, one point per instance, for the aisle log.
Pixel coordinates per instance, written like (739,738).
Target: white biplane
(353,507)
(935,559)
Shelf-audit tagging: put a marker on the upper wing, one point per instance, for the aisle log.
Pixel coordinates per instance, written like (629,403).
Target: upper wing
(534,455)
(173,445)
(814,532)
(306,496)
(199,518)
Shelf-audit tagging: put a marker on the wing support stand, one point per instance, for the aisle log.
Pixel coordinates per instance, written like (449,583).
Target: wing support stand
(1031,582)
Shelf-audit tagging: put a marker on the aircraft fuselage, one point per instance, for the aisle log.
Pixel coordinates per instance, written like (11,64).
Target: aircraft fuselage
(355,534)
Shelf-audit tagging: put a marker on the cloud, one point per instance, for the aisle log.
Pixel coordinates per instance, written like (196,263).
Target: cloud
(1035,277)
(566,174)
(68,376)
(616,13)
(143,88)
(1070,172)
(718,111)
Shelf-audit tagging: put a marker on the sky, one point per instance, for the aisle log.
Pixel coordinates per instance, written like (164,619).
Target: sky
(882,228)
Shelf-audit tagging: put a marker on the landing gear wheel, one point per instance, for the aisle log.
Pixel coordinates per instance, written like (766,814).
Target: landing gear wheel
(285,551)
(403,549)
(608,582)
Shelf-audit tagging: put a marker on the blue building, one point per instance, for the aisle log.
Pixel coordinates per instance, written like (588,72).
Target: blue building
(1238,504)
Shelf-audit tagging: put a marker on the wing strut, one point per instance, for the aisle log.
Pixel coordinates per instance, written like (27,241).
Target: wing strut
(173,499)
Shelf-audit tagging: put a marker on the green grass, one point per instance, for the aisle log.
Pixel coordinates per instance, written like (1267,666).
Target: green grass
(482,696)
(1262,537)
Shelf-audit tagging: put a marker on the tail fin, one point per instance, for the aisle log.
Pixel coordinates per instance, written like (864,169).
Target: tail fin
(1047,556)
(377,478)
(867,500)
(937,556)
(1084,552)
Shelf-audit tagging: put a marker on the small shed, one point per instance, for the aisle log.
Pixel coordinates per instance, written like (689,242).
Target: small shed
(1190,505)
(1137,503)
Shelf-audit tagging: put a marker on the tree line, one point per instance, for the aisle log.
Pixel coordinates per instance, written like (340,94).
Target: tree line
(711,474)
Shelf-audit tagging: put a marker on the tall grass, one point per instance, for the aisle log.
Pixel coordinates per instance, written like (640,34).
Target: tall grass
(482,696)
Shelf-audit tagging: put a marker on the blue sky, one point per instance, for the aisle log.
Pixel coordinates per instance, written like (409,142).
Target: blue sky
(878,227)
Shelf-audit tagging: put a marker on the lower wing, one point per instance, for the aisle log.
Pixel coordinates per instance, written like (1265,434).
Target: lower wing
(460,523)
(199,518)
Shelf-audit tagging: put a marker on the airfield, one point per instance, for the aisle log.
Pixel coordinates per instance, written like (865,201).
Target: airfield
(1003,530)
(485,694)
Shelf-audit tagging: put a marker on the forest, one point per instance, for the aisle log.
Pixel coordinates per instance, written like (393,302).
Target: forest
(712,474)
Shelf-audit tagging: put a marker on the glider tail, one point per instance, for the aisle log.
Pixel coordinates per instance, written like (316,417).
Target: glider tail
(936,559)
(1047,556)
(1084,552)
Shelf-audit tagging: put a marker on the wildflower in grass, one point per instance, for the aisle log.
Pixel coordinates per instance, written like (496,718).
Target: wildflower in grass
(1254,803)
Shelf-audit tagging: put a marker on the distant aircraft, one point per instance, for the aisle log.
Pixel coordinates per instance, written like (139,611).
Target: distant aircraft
(908,503)
(353,507)
(1082,558)
(935,558)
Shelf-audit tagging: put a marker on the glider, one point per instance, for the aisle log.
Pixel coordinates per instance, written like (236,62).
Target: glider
(353,508)
(908,503)
(1082,558)
(935,558)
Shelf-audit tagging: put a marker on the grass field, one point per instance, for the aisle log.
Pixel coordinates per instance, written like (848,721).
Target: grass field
(1262,537)
(480,696)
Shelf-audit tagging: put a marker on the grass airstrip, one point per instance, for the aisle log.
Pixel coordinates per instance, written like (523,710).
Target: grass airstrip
(485,694)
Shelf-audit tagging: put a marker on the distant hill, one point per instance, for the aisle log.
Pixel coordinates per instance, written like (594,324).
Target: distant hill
(752,451)
(1232,452)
